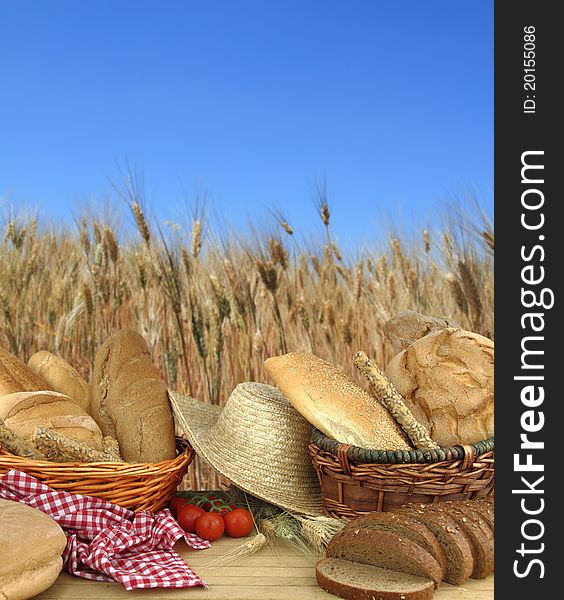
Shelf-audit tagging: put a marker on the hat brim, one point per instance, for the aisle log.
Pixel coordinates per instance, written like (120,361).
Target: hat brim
(294,491)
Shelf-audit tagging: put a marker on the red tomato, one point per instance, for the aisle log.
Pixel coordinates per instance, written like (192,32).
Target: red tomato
(210,526)
(177,502)
(187,515)
(238,523)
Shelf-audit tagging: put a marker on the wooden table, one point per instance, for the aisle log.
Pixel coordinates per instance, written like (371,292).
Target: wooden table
(276,572)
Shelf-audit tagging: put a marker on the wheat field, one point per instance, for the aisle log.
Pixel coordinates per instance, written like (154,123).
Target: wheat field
(213,306)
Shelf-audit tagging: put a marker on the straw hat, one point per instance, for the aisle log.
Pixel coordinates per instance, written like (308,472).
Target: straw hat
(258,441)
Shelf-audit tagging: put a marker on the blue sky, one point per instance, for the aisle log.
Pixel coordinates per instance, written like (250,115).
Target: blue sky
(247,104)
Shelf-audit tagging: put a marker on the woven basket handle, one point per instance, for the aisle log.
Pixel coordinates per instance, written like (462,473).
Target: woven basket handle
(468,459)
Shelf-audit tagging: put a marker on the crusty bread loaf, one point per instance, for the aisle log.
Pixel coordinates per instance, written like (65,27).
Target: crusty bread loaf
(16,376)
(31,545)
(130,401)
(61,377)
(355,581)
(386,550)
(332,402)
(447,381)
(409,326)
(22,412)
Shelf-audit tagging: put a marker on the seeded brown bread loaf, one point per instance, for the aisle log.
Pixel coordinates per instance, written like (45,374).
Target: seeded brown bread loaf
(403,527)
(16,376)
(460,562)
(385,550)
(61,377)
(130,401)
(447,381)
(355,581)
(31,545)
(332,402)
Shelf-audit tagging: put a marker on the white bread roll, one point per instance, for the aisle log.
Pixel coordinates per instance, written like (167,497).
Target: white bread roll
(31,545)
(447,381)
(130,400)
(332,402)
(22,412)
(61,377)
(16,376)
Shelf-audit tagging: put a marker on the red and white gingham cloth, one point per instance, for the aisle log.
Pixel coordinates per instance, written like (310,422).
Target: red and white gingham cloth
(106,542)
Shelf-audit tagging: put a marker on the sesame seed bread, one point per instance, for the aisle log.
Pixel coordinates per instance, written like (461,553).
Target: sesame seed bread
(61,377)
(355,581)
(130,400)
(334,404)
(403,527)
(386,550)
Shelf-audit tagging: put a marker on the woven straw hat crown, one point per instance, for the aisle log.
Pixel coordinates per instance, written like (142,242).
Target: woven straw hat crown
(258,441)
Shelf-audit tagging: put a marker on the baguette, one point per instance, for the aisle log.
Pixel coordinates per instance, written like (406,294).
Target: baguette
(335,404)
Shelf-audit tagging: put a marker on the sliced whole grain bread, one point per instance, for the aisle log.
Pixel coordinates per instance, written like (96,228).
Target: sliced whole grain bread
(479,534)
(386,550)
(355,581)
(485,506)
(403,527)
(450,535)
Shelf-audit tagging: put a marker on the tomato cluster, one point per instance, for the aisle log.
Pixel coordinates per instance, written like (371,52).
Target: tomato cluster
(209,517)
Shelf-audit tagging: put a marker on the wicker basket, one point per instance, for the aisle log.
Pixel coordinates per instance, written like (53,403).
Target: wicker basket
(355,480)
(137,486)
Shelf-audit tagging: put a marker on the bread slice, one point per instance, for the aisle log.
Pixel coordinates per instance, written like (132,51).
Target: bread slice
(485,506)
(332,402)
(403,527)
(450,536)
(385,550)
(480,536)
(354,581)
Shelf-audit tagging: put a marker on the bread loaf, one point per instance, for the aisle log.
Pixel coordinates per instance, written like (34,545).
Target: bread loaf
(61,377)
(130,401)
(355,581)
(409,326)
(31,545)
(447,381)
(16,376)
(22,412)
(332,402)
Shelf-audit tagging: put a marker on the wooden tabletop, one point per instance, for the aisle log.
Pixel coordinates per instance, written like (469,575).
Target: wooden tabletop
(276,572)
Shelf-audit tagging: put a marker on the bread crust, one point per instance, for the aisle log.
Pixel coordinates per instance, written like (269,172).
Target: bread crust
(130,401)
(16,376)
(334,404)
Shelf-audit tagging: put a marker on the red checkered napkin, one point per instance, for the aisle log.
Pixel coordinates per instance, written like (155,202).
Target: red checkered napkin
(106,542)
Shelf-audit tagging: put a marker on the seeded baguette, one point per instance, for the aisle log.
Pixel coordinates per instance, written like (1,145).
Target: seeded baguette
(355,581)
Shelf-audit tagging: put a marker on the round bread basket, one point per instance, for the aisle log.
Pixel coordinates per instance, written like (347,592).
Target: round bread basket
(355,481)
(137,486)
